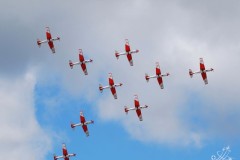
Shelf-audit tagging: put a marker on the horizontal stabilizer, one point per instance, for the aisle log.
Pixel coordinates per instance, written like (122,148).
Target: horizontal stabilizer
(190,73)
(100,88)
(72,125)
(146,77)
(126,109)
(117,54)
(70,64)
(38,42)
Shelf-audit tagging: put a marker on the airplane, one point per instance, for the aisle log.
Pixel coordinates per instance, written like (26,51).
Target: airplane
(127,52)
(65,155)
(83,123)
(82,62)
(203,71)
(49,40)
(111,85)
(137,108)
(158,75)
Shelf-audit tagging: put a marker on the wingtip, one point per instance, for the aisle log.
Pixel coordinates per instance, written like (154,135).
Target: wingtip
(53,50)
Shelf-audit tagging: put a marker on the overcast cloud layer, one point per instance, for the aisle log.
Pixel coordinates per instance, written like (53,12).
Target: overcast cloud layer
(174,33)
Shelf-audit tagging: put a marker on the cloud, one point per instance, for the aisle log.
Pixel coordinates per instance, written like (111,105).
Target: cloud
(175,33)
(177,41)
(20,131)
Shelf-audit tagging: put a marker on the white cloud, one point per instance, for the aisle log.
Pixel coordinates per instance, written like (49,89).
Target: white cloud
(182,38)
(20,133)
(174,33)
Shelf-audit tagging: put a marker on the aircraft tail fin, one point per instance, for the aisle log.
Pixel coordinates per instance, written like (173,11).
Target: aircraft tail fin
(100,88)
(126,109)
(54,157)
(71,64)
(72,126)
(117,54)
(190,73)
(39,43)
(147,77)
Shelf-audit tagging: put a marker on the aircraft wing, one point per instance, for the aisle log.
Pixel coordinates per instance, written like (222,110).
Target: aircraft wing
(202,66)
(110,79)
(129,57)
(66,158)
(158,71)
(136,101)
(84,68)
(82,118)
(51,45)
(81,57)
(48,34)
(139,114)
(127,46)
(64,150)
(160,81)
(85,129)
(204,77)
(114,93)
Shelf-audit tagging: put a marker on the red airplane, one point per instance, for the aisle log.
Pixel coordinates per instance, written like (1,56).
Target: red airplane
(83,123)
(82,62)
(137,108)
(111,86)
(65,155)
(127,52)
(203,71)
(49,40)
(158,75)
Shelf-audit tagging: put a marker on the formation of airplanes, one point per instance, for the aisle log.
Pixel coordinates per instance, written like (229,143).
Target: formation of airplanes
(83,123)
(111,85)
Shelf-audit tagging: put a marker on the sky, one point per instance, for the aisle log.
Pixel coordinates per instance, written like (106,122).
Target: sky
(40,95)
